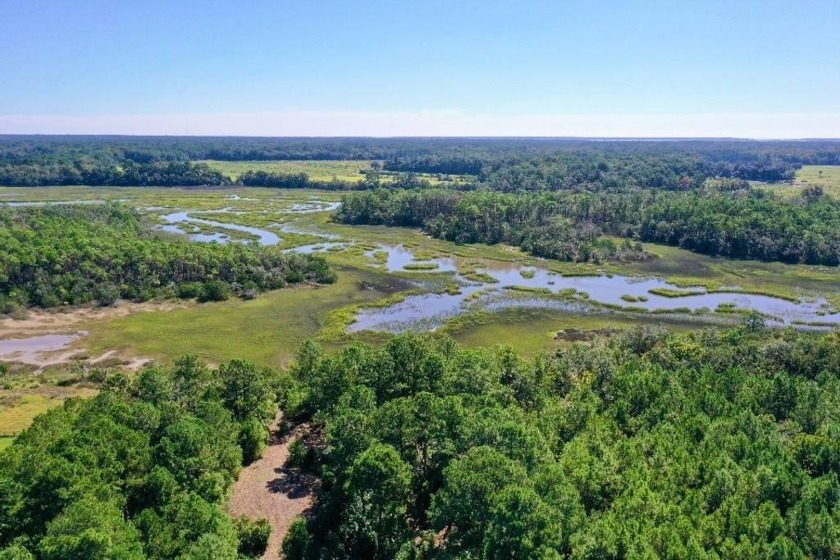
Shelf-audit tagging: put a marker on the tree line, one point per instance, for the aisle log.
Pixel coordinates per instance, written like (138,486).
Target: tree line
(499,164)
(745,223)
(123,174)
(73,254)
(705,445)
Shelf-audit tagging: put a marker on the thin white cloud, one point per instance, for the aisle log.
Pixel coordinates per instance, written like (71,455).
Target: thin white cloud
(433,123)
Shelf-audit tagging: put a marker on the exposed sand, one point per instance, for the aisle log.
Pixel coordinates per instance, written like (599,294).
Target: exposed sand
(41,322)
(267,489)
(45,338)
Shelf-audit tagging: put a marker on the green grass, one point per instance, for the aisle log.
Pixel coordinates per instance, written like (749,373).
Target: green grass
(344,170)
(5,442)
(528,290)
(532,331)
(19,406)
(421,266)
(17,417)
(481,277)
(825,176)
(322,170)
(671,293)
(686,269)
(266,330)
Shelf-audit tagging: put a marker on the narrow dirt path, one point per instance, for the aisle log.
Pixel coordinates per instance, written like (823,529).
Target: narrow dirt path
(267,489)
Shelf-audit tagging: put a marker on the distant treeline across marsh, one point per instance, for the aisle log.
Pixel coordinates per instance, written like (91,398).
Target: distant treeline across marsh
(505,164)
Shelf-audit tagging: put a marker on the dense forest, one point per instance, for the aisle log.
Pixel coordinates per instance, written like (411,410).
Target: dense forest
(72,254)
(647,445)
(142,470)
(713,444)
(500,164)
(745,223)
(123,173)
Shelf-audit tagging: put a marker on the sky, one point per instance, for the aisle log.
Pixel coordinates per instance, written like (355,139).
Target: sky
(751,68)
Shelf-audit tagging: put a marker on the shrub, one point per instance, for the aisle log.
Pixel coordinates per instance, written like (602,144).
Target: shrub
(253,438)
(190,290)
(299,455)
(214,290)
(253,536)
(107,294)
(296,543)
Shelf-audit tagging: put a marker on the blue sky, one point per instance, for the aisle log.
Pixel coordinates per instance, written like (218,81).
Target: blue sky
(410,67)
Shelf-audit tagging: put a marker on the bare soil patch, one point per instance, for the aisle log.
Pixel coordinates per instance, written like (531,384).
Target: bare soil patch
(268,489)
(45,338)
(39,321)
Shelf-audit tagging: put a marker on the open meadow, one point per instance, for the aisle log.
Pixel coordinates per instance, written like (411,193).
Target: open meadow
(827,177)
(324,171)
(321,170)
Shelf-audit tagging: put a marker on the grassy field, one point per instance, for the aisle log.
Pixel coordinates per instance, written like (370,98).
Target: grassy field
(345,170)
(267,330)
(531,331)
(685,268)
(825,176)
(21,409)
(20,405)
(194,198)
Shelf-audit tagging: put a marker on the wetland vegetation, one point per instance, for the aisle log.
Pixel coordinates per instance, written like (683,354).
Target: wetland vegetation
(638,336)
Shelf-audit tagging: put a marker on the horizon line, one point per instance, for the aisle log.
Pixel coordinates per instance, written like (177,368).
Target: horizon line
(426,137)
(308,123)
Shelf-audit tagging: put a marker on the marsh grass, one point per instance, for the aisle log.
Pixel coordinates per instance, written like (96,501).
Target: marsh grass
(671,293)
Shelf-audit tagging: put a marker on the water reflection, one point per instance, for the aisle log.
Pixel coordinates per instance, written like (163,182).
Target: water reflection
(264,237)
(582,294)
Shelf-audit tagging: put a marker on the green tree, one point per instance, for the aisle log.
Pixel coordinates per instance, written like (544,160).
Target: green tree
(378,486)
(471,485)
(247,391)
(91,528)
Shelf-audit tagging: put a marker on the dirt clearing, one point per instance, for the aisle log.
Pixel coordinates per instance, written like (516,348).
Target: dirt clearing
(268,489)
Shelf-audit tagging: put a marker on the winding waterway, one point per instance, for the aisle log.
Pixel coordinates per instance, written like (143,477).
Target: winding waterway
(498,285)
(582,294)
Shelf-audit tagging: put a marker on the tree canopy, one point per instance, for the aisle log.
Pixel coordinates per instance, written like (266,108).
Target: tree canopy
(705,445)
(141,470)
(66,254)
(574,226)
